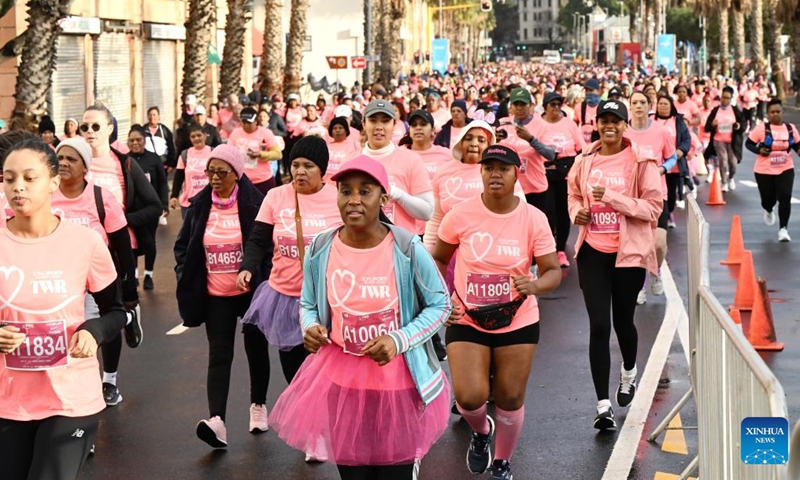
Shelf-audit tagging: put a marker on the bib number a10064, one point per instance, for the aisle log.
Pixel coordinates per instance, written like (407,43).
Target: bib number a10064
(604,219)
(488,289)
(44,347)
(358,330)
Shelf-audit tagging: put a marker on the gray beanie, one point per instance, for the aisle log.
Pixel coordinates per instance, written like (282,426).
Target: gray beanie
(80,146)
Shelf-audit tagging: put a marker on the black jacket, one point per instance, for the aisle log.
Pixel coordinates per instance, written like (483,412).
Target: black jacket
(154,170)
(276,125)
(190,257)
(212,136)
(738,134)
(142,206)
(443,137)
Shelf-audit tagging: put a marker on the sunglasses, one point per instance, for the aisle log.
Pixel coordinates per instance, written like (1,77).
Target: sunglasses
(220,173)
(555,104)
(84,127)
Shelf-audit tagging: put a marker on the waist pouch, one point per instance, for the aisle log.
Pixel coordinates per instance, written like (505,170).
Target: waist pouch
(494,317)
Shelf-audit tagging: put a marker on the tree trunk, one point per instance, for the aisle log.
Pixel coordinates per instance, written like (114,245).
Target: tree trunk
(369,8)
(723,41)
(738,42)
(392,14)
(294,49)
(796,24)
(658,5)
(757,35)
(35,71)
(230,71)
(271,72)
(199,26)
(775,26)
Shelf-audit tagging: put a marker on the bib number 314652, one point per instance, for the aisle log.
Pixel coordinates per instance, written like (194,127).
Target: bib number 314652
(44,347)
(358,330)
(604,219)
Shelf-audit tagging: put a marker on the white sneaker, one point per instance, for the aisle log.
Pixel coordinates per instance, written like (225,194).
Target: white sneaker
(642,298)
(769,218)
(783,235)
(732,184)
(258,418)
(681,204)
(724,187)
(213,432)
(656,285)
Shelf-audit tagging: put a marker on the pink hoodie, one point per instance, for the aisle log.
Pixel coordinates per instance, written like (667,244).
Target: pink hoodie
(640,206)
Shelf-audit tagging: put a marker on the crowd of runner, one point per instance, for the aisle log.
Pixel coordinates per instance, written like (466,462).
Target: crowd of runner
(346,233)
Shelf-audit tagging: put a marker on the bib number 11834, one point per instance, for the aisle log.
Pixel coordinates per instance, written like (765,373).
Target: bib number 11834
(44,347)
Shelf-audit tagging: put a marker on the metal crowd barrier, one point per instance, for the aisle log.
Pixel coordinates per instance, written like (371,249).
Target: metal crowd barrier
(729,379)
(794,453)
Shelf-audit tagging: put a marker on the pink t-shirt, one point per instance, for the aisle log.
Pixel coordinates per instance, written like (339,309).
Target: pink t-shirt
(457,182)
(106,171)
(398,132)
(654,142)
(440,117)
(260,140)
(340,153)
(407,172)
(318,211)
(305,126)
(194,168)
(672,130)
(434,158)
(82,210)
(5,210)
(726,120)
(46,280)
(779,160)
(222,242)
(703,134)
(293,118)
(563,135)
(494,248)
(611,172)
(532,175)
(688,109)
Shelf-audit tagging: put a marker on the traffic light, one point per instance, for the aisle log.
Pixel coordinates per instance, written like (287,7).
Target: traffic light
(427,55)
(417,57)
(486,5)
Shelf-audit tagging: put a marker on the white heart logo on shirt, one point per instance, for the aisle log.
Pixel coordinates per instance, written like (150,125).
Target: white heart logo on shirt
(595,174)
(7,274)
(481,241)
(287,213)
(213,218)
(452,186)
(57,212)
(339,283)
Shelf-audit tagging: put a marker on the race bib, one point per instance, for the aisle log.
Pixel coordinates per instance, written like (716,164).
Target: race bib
(523,167)
(358,330)
(725,128)
(225,258)
(488,289)
(251,163)
(604,219)
(199,181)
(287,246)
(388,210)
(44,347)
(778,159)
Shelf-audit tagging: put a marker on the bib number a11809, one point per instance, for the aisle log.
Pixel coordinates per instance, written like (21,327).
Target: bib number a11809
(44,347)
(604,219)
(358,330)
(488,289)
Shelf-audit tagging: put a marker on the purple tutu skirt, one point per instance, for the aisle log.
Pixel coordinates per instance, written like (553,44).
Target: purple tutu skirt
(348,410)
(277,316)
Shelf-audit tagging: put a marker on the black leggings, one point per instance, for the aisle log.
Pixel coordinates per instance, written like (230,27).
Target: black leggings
(540,201)
(388,472)
(606,287)
(558,216)
(221,332)
(674,190)
(53,449)
(292,360)
(150,255)
(777,189)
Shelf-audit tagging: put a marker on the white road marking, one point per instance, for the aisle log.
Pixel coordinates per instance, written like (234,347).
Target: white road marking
(178,330)
(749,183)
(619,465)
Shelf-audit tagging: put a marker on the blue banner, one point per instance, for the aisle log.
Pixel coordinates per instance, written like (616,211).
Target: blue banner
(665,52)
(440,50)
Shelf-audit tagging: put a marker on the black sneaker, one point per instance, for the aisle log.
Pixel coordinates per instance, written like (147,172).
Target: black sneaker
(454,409)
(133,330)
(626,390)
(605,420)
(148,282)
(111,394)
(479,455)
(501,470)
(439,348)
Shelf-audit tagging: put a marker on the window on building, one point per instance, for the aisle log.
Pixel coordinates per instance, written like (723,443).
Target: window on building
(525,34)
(549,3)
(525,17)
(524,4)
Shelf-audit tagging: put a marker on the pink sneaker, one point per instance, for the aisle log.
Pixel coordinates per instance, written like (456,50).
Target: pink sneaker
(213,432)
(258,418)
(562,260)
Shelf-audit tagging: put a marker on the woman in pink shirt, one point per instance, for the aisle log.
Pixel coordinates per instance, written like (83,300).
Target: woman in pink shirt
(48,372)
(190,176)
(400,125)
(421,135)
(208,257)
(615,198)
(498,237)
(341,146)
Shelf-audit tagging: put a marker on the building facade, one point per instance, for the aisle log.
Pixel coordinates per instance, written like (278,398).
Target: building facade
(538,25)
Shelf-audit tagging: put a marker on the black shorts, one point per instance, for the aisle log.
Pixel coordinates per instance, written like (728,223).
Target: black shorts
(465,333)
(663,219)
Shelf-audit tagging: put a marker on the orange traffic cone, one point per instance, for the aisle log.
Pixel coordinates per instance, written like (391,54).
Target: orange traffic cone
(762,328)
(735,244)
(745,295)
(736,315)
(715,193)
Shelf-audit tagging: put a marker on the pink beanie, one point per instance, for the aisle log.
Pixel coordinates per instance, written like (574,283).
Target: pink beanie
(230,155)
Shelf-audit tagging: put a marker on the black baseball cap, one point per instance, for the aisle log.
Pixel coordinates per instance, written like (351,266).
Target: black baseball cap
(615,91)
(552,97)
(423,114)
(614,107)
(502,153)
(248,114)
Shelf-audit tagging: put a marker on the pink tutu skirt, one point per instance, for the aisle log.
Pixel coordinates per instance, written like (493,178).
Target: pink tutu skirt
(348,410)
(277,316)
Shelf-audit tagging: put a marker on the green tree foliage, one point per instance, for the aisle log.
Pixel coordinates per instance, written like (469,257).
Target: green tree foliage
(507,18)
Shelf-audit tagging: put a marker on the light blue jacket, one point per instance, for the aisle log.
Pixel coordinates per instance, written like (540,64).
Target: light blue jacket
(424,304)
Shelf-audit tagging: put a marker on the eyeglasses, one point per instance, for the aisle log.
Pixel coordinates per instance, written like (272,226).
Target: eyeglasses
(84,127)
(555,104)
(220,173)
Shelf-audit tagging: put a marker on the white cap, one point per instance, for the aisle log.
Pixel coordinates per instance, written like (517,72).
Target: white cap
(190,99)
(199,110)
(342,111)
(292,96)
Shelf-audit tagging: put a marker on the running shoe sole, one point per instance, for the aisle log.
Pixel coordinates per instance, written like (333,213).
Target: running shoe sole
(206,434)
(604,423)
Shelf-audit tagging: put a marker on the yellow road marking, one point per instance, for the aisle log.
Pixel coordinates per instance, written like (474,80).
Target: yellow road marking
(675,440)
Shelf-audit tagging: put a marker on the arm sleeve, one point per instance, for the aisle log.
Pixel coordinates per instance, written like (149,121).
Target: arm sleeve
(257,246)
(752,146)
(670,162)
(419,206)
(710,120)
(548,152)
(120,243)
(151,204)
(172,159)
(112,314)
(432,226)
(177,182)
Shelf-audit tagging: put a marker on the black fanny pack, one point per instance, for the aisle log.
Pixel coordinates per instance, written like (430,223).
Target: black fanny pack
(562,164)
(494,317)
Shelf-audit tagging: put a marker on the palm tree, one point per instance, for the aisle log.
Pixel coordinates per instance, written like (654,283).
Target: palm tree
(724,46)
(777,9)
(294,49)
(199,26)
(370,46)
(392,13)
(757,35)
(738,8)
(271,71)
(233,54)
(35,71)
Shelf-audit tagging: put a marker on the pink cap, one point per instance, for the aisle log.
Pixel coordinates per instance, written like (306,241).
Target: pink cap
(366,165)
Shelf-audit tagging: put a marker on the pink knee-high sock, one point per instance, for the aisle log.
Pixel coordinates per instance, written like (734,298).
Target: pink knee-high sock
(476,418)
(509,428)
